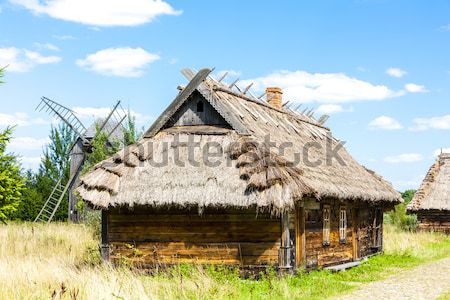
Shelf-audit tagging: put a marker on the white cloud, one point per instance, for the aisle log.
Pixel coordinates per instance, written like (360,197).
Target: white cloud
(412,183)
(230,73)
(28,143)
(385,123)
(40,59)
(329,88)
(124,62)
(46,46)
(173,61)
(404,158)
(101,12)
(361,69)
(332,109)
(445,28)
(93,113)
(23,60)
(64,37)
(440,150)
(30,162)
(415,88)
(421,124)
(20,119)
(396,72)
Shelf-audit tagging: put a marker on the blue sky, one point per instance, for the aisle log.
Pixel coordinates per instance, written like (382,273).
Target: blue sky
(381,69)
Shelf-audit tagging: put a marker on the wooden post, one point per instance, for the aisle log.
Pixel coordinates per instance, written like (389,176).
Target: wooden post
(300,247)
(105,241)
(77,157)
(285,253)
(355,233)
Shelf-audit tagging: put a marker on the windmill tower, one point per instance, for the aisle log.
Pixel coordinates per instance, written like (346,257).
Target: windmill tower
(111,126)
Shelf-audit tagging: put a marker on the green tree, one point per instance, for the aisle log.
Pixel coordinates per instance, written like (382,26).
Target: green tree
(102,148)
(54,165)
(131,134)
(399,217)
(408,195)
(11,181)
(32,199)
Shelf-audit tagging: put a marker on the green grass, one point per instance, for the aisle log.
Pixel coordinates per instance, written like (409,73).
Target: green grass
(61,261)
(445,296)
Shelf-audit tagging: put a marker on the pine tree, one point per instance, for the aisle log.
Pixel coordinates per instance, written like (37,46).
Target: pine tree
(11,181)
(54,165)
(130,132)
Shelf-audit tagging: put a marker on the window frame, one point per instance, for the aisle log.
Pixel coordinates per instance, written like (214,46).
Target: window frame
(200,106)
(326,225)
(343,225)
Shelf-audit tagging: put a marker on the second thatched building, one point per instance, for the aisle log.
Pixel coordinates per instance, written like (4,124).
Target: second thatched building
(431,203)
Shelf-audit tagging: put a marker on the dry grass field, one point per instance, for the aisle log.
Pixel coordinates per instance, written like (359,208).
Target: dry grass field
(61,261)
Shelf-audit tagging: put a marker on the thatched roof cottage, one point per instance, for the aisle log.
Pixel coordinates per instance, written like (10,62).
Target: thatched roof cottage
(224,178)
(431,202)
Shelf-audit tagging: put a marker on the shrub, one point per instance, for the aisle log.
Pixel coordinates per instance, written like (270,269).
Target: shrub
(399,217)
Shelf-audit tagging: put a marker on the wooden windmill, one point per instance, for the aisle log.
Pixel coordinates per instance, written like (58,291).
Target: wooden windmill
(111,126)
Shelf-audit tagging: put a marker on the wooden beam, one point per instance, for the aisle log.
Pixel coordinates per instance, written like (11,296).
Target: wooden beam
(300,239)
(355,233)
(285,253)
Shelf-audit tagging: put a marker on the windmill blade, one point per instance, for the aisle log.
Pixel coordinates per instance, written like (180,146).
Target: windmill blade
(64,114)
(114,119)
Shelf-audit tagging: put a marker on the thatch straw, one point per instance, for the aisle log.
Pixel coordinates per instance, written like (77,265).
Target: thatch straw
(251,172)
(434,192)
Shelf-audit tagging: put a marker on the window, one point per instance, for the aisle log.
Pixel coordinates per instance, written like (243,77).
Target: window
(342,224)
(326,225)
(200,106)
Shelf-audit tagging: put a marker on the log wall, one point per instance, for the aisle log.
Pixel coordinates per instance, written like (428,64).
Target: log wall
(336,252)
(161,237)
(434,220)
(362,236)
(367,234)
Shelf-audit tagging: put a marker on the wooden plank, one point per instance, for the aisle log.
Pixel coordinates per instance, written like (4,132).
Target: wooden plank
(285,259)
(355,233)
(166,218)
(194,237)
(342,267)
(230,253)
(208,227)
(177,102)
(300,238)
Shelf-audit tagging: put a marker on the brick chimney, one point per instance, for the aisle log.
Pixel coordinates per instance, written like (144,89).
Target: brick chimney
(274,96)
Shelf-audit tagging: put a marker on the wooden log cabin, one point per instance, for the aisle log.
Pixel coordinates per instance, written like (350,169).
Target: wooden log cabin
(431,203)
(224,178)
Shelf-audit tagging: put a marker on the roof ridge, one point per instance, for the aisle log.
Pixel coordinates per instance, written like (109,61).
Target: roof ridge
(225,89)
(425,186)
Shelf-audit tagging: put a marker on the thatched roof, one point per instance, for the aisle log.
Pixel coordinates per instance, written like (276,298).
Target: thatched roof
(251,171)
(434,192)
